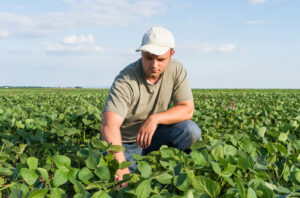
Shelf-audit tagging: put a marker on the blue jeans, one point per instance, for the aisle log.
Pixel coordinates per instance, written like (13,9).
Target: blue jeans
(180,135)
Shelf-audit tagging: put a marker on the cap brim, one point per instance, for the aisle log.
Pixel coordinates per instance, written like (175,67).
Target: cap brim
(153,49)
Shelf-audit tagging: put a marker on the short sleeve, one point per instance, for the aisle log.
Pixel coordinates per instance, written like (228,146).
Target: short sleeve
(181,90)
(120,96)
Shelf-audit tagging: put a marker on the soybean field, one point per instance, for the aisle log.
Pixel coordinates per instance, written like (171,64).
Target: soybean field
(50,146)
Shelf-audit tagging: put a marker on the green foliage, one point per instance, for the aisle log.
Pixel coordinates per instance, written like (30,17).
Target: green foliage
(50,146)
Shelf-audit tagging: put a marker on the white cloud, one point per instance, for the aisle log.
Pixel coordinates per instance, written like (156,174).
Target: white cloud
(254,22)
(81,13)
(257,1)
(209,47)
(226,48)
(4,34)
(74,40)
(74,45)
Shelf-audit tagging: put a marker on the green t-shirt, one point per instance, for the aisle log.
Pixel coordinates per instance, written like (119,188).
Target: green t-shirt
(134,99)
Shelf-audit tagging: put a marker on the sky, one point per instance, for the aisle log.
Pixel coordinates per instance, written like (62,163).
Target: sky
(222,44)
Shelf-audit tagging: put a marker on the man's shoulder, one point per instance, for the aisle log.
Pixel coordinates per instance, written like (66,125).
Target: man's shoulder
(132,68)
(130,74)
(175,68)
(176,62)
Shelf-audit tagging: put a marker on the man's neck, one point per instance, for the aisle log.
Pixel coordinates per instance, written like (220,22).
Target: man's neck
(153,81)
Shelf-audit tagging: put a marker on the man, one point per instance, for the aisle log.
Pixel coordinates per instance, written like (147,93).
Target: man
(137,112)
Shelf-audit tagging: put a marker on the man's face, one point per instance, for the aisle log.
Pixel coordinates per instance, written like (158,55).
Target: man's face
(154,65)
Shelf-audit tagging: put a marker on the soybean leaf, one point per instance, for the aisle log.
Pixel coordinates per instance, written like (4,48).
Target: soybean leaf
(56,193)
(100,194)
(85,174)
(103,172)
(145,169)
(228,171)
(143,189)
(93,159)
(29,176)
(40,193)
(261,131)
(216,167)
(251,193)
(164,178)
(210,187)
(62,161)
(44,175)
(117,148)
(5,171)
(125,164)
(240,187)
(182,181)
(32,163)
(60,177)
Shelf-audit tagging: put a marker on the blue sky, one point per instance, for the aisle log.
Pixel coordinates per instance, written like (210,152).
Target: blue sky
(222,44)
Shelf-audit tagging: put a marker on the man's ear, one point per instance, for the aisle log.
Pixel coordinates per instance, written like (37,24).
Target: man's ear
(172,52)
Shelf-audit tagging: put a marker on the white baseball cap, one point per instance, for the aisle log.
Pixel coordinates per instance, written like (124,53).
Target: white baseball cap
(158,40)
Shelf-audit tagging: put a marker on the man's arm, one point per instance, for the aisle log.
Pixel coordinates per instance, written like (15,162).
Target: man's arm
(180,112)
(110,132)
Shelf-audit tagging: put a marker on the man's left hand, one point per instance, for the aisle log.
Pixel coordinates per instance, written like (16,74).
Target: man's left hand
(144,136)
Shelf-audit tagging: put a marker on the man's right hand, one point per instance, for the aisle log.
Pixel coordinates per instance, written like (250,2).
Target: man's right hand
(119,176)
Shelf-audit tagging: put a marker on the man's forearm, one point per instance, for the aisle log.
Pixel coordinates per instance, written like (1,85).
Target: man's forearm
(175,114)
(113,135)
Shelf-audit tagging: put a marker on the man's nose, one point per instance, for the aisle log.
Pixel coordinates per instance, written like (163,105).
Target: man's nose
(154,63)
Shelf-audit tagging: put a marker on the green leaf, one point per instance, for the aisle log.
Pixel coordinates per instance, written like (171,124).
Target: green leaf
(295,177)
(216,167)
(228,171)
(182,181)
(40,193)
(93,159)
(56,193)
(244,163)
(251,193)
(15,193)
(218,153)
(230,150)
(246,145)
(20,187)
(211,187)
(240,187)
(5,172)
(201,158)
(62,161)
(32,162)
(44,175)
(281,148)
(261,131)
(145,169)
(117,148)
(143,189)
(20,125)
(164,178)
(125,164)
(282,137)
(72,174)
(167,152)
(281,189)
(198,145)
(85,174)
(270,148)
(103,172)
(60,177)
(29,176)
(100,194)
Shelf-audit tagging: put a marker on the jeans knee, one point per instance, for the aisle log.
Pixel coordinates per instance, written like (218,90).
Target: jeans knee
(193,130)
